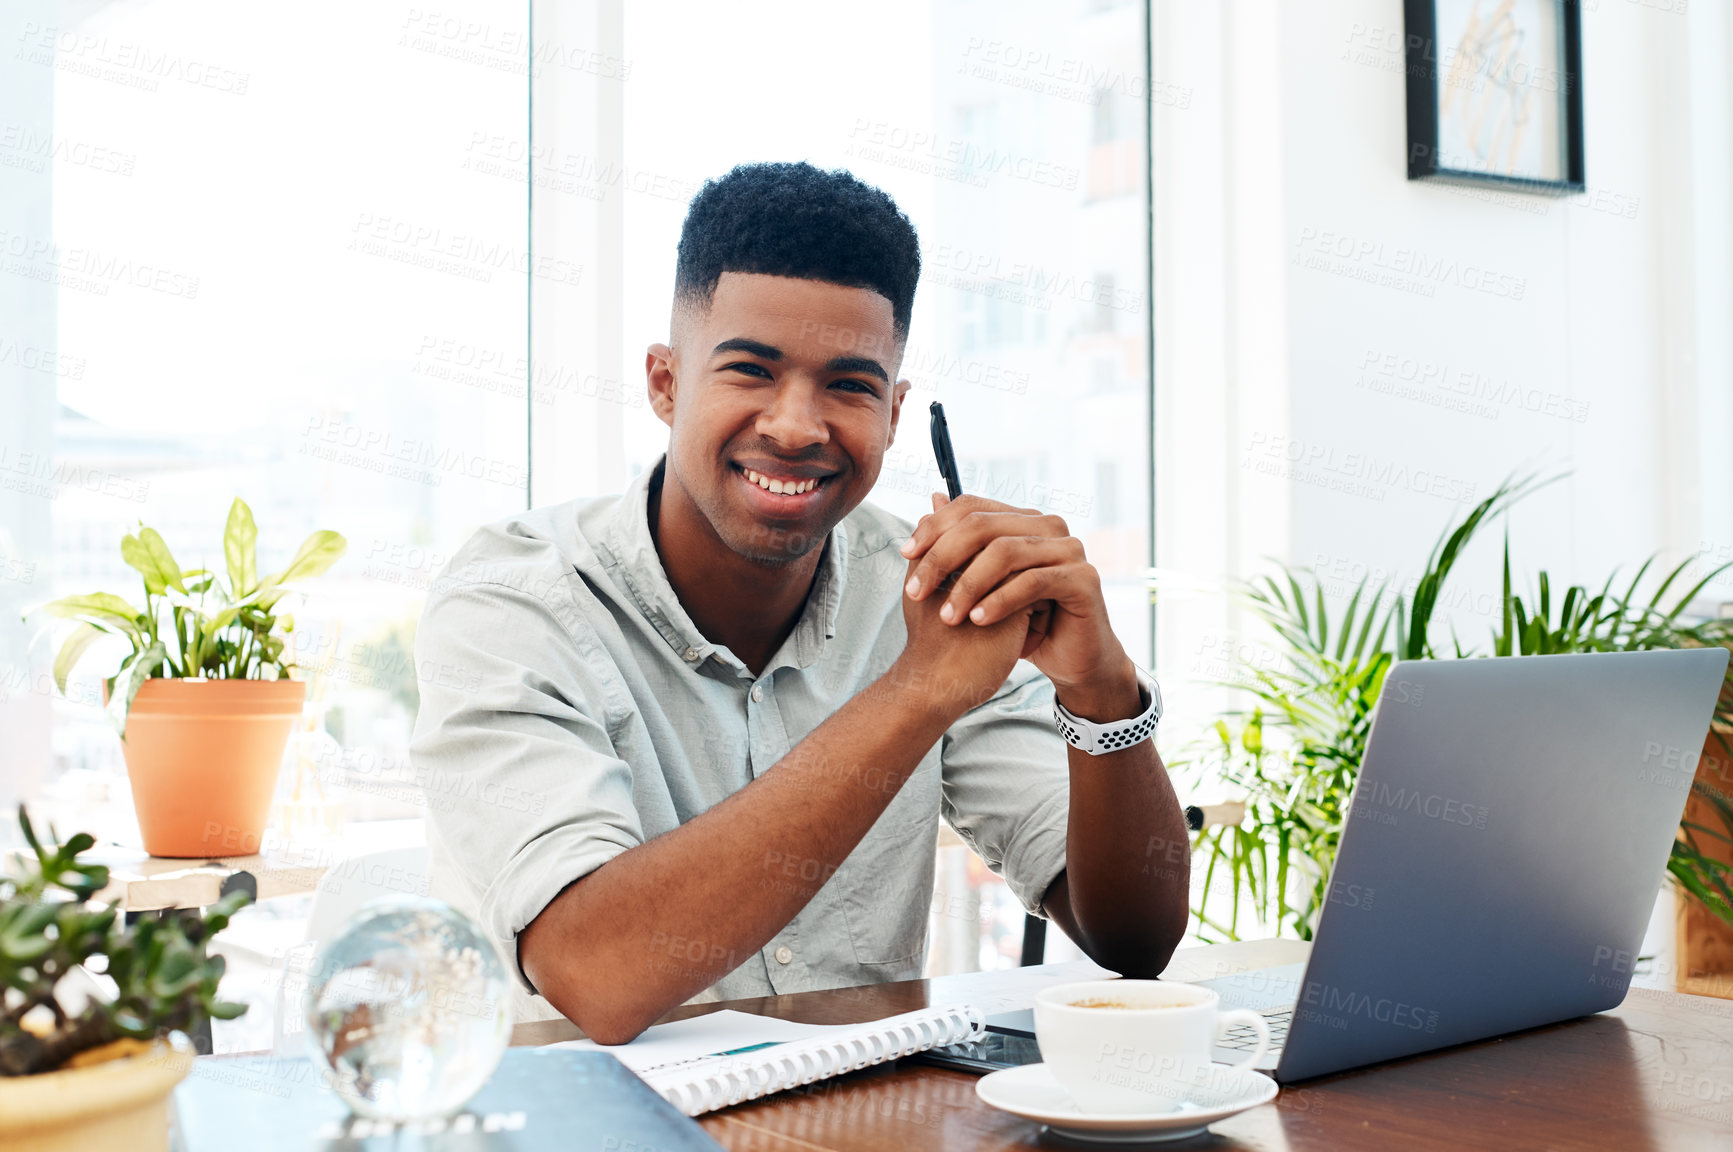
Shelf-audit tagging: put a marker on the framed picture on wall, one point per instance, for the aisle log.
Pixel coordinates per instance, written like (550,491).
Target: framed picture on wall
(1495,92)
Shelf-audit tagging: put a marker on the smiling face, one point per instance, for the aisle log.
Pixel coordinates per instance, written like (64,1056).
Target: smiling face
(782,399)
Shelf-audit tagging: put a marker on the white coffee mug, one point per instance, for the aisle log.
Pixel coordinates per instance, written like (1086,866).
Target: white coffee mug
(1135,1046)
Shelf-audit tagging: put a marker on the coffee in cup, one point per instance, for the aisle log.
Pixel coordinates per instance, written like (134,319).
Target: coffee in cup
(1135,1046)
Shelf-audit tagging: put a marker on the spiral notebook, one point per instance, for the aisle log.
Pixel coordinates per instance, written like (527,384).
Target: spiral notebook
(713,1061)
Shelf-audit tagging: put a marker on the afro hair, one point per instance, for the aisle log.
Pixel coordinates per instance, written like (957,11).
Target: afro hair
(800,221)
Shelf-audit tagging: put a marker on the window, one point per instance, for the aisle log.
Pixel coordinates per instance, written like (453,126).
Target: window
(1012,135)
(282,259)
(334,265)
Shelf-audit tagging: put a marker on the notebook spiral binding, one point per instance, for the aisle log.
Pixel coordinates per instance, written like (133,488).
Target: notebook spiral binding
(803,1062)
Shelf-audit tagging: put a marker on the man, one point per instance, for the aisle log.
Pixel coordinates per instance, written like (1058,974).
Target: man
(710,726)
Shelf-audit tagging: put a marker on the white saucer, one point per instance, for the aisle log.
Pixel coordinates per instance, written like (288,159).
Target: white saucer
(1030,1091)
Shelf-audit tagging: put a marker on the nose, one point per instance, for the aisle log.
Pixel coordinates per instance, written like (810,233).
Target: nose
(793,420)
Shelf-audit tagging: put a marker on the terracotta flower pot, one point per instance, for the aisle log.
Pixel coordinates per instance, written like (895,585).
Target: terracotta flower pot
(114,1105)
(203,757)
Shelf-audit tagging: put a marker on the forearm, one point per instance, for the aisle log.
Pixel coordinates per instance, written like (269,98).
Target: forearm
(1124,894)
(721,884)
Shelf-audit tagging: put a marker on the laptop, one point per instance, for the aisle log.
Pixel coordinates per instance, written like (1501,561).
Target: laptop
(1505,841)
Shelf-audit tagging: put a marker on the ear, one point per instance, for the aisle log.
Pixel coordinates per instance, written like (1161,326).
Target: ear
(897,394)
(659,376)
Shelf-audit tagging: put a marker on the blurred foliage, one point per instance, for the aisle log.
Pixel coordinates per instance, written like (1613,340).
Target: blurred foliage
(165,979)
(1317,699)
(389,653)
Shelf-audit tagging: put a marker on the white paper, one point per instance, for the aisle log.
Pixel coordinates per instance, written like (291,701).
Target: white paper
(717,1033)
(1012,989)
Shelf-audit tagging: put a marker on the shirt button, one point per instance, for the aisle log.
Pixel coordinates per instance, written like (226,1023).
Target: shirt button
(757,697)
(784,954)
(691,653)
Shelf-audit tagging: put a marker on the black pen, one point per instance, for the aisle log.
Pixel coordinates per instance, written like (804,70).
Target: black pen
(942,449)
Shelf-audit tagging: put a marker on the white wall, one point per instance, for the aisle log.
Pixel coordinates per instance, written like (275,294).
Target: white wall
(1600,334)
(1221,335)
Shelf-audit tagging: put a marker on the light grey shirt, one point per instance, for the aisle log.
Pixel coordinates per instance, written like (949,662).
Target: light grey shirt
(571,710)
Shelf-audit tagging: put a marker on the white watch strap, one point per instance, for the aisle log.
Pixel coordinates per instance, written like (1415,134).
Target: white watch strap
(1100,739)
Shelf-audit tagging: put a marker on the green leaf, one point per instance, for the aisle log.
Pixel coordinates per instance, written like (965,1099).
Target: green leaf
(148,553)
(20,945)
(1501,646)
(133,551)
(82,638)
(317,553)
(227,1010)
(218,916)
(94,878)
(240,540)
(165,561)
(1299,607)
(141,668)
(1685,600)
(178,972)
(96,606)
(1631,592)
(208,629)
(29,831)
(1348,619)
(1685,865)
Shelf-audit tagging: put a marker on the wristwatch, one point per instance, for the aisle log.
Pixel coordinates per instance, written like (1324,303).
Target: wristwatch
(1100,739)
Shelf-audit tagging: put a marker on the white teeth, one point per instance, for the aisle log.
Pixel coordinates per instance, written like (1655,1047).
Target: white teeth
(789,487)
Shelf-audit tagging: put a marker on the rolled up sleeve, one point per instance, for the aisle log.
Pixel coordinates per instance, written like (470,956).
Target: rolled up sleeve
(511,743)
(1007,784)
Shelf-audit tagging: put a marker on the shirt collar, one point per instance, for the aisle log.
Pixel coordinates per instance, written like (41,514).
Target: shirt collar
(638,567)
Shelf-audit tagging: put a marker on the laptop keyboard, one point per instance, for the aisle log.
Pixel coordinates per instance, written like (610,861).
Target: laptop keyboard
(1242,1038)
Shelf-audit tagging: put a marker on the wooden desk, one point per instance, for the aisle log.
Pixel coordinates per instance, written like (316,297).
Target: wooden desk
(1655,1073)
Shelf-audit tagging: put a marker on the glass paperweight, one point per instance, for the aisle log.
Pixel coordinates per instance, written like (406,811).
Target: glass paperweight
(409,1005)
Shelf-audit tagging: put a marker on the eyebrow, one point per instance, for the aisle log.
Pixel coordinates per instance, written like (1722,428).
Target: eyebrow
(857,364)
(750,347)
(771,352)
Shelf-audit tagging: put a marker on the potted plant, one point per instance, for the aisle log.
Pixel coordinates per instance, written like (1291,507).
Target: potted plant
(95,1076)
(1317,698)
(204,699)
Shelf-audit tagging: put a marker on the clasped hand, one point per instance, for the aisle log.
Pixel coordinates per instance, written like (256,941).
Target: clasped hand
(989,583)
